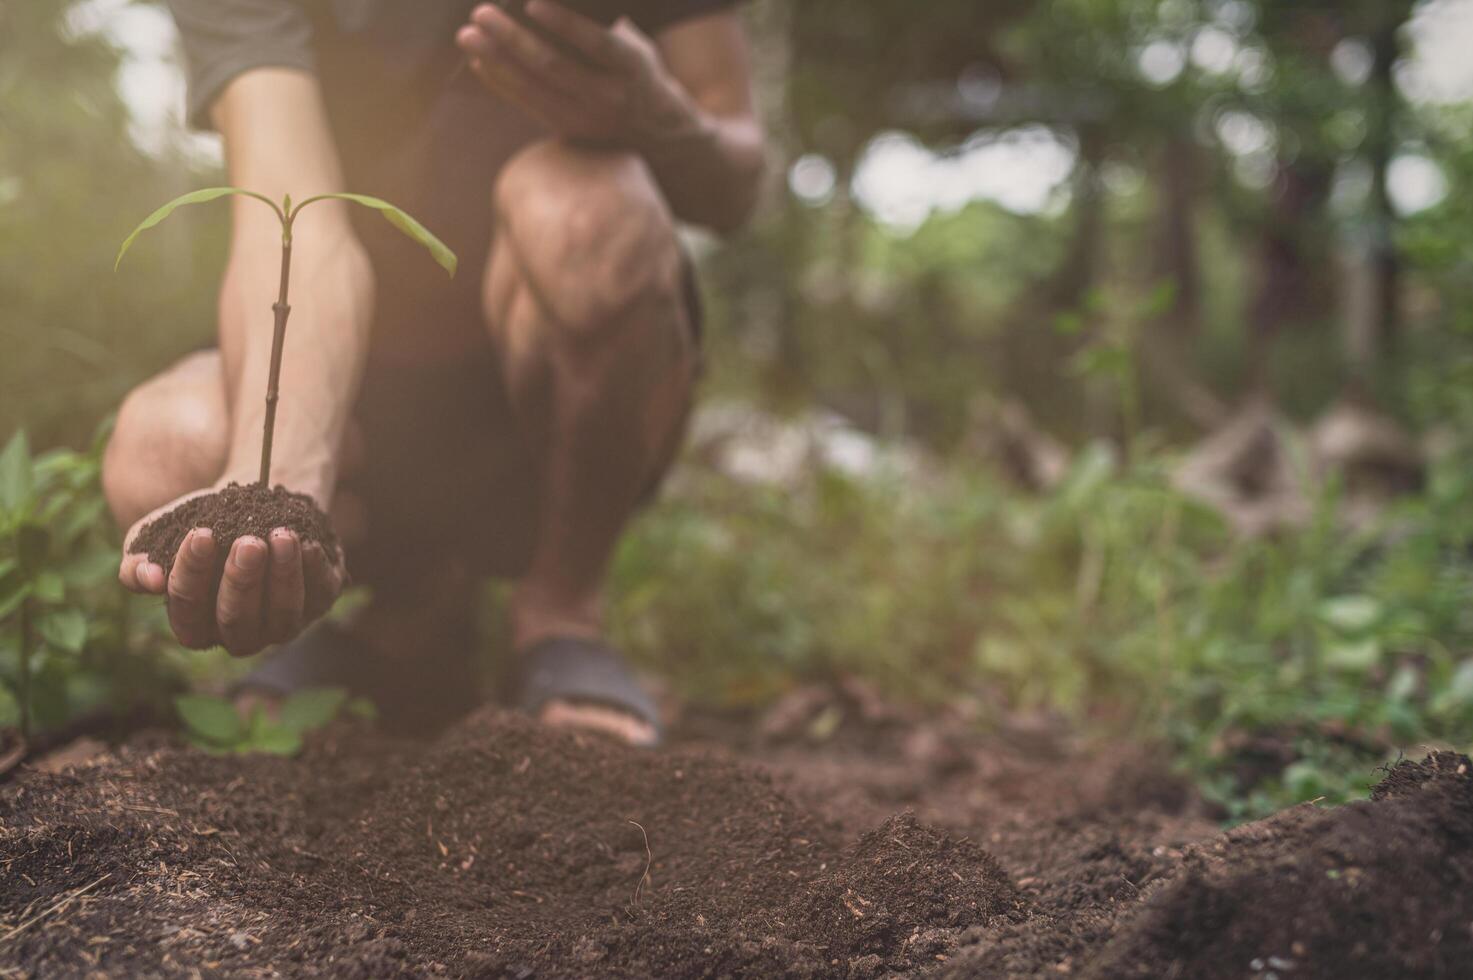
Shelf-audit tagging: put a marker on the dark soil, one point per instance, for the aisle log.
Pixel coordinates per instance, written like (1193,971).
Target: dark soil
(236,512)
(505,850)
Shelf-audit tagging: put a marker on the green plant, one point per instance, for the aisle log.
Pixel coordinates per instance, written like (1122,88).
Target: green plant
(287,215)
(53,558)
(1274,670)
(216,726)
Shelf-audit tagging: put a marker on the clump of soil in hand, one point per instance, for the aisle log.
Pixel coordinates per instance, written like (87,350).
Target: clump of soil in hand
(236,512)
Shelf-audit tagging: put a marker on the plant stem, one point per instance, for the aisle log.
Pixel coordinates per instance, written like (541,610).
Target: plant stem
(26,641)
(283,310)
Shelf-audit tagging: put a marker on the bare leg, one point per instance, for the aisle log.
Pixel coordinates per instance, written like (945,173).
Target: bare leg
(171,438)
(583,299)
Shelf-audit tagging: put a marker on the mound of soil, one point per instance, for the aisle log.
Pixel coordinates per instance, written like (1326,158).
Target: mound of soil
(507,850)
(1376,889)
(235,512)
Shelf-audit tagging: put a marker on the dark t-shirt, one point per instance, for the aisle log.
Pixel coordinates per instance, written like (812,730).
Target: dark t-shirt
(377,45)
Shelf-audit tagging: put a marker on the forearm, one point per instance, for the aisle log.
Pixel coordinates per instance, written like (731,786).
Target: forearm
(277,143)
(709,167)
(326,340)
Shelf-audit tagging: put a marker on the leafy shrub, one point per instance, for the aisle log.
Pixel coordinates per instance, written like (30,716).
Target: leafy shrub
(216,726)
(1279,669)
(72,643)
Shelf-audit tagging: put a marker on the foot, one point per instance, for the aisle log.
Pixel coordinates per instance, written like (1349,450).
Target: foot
(583,684)
(600,721)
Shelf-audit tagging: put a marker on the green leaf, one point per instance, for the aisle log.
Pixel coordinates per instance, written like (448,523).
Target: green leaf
(1358,655)
(311,709)
(1069,323)
(83,517)
(12,596)
(15,474)
(49,587)
(65,629)
(1350,613)
(193,197)
(275,741)
(1160,300)
(1304,780)
(212,719)
(9,708)
(102,435)
(32,546)
(1103,360)
(1459,692)
(403,222)
(362,709)
(1403,685)
(90,567)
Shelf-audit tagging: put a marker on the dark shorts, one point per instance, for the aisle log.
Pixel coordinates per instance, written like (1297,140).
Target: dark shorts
(445,470)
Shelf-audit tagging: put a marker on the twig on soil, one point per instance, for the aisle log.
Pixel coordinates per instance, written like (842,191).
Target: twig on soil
(56,907)
(649,859)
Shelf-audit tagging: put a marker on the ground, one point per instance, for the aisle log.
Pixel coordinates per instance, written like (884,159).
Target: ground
(879,846)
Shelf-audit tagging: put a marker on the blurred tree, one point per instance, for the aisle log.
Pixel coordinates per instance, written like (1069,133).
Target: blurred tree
(76,337)
(1213,142)
(1215,148)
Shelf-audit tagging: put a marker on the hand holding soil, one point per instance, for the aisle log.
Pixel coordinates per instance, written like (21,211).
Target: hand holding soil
(243,567)
(246,566)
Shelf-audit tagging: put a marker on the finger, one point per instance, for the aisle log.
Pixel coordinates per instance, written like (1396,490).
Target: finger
(324,579)
(542,60)
(137,574)
(594,41)
(509,80)
(191,589)
(286,594)
(560,106)
(238,610)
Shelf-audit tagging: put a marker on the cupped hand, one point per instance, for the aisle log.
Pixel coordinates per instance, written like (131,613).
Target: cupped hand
(265,592)
(615,92)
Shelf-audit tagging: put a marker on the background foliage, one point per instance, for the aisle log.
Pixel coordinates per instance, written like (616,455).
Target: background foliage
(1225,235)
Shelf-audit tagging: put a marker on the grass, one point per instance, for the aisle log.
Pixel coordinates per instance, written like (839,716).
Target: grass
(1276,671)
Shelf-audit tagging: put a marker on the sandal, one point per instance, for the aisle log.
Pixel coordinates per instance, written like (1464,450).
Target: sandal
(583,671)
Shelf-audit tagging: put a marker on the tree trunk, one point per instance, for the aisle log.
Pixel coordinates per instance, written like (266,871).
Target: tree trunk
(1176,244)
(1292,259)
(1385,260)
(1076,274)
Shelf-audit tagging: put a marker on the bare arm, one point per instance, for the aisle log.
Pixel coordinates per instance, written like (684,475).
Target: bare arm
(718,146)
(277,142)
(684,103)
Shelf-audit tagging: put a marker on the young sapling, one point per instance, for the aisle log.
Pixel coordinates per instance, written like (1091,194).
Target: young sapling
(265,508)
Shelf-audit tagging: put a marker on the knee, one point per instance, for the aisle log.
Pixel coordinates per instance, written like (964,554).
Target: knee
(593,237)
(170,438)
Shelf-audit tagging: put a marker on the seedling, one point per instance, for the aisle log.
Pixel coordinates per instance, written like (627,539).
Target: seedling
(213,724)
(287,215)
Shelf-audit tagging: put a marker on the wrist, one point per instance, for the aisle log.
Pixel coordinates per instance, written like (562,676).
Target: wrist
(672,123)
